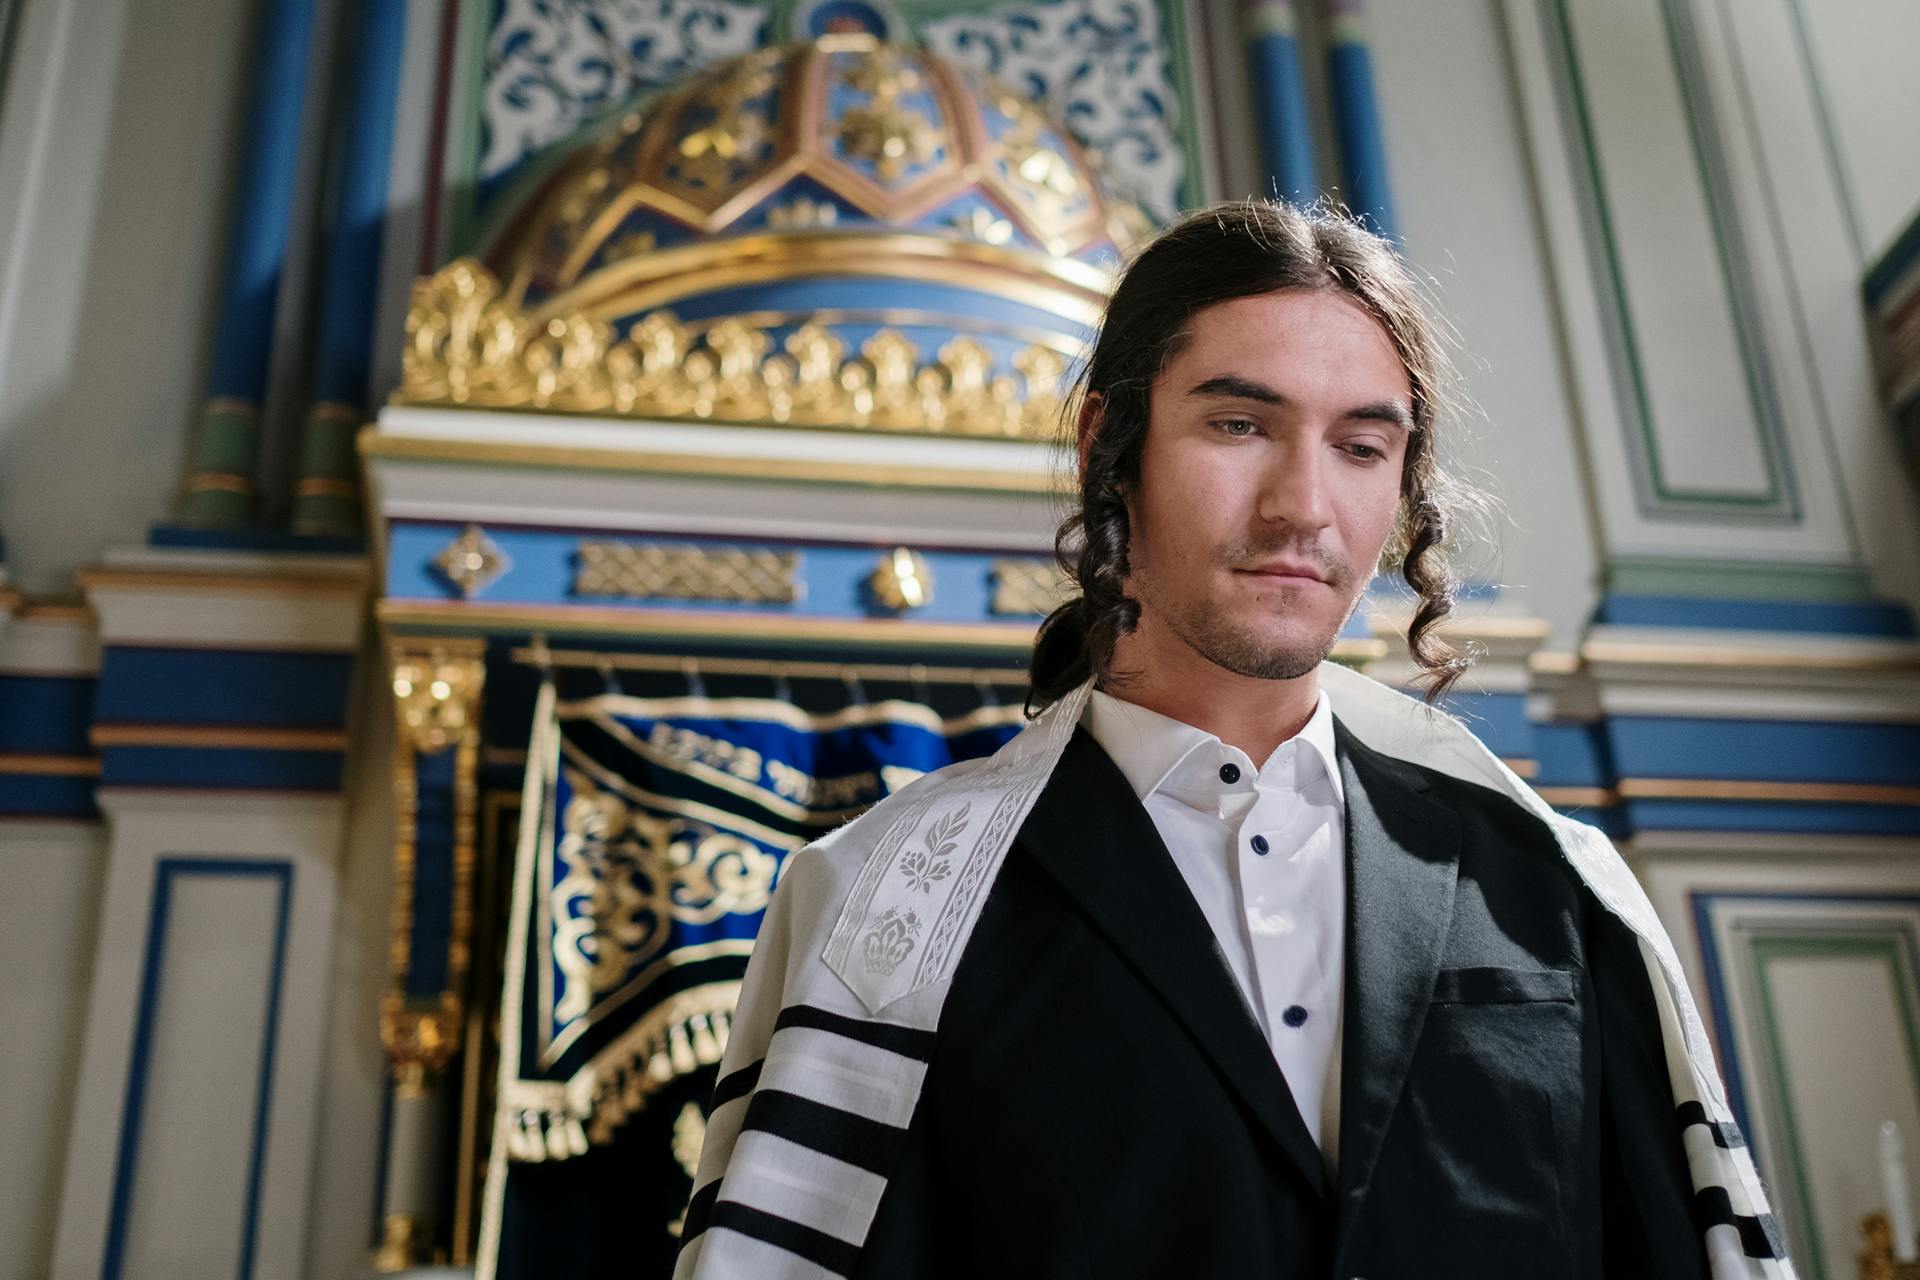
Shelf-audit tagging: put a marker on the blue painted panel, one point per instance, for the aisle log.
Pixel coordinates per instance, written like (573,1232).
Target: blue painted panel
(221,768)
(1741,815)
(832,578)
(1767,750)
(46,714)
(309,544)
(166,872)
(35,796)
(432,877)
(1498,719)
(1571,755)
(1756,615)
(225,686)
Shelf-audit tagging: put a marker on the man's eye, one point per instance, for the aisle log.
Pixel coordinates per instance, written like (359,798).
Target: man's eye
(1365,452)
(1238,427)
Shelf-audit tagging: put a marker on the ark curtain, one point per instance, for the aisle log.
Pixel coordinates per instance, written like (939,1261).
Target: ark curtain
(653,831)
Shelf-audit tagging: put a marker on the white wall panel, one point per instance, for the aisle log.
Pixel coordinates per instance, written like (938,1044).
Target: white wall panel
(48,919)
(200,1076)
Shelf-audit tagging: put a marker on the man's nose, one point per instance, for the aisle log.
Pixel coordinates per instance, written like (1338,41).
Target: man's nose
(1295,489)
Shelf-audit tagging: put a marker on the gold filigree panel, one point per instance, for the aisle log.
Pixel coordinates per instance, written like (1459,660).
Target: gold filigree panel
(656,571)
(1028,587)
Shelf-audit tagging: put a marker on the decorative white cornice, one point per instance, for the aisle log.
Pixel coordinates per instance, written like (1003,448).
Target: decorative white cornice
(199,600)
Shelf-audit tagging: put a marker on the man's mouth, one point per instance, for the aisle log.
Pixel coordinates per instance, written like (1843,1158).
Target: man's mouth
(1285,570)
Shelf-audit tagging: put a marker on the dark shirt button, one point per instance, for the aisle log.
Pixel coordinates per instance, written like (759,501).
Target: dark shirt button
(1260,844)
(1294,1016)
(1229,773)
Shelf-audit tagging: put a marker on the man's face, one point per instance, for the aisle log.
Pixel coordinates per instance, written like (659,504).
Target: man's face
(1270,479)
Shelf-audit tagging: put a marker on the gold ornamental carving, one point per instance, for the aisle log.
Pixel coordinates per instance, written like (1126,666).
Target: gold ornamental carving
(884,132)
(472,562)
(1877,1260)
(436,693)
(436,685)
(902,580)
(469,348)
(1029,587)
(654,571)
(406,1241)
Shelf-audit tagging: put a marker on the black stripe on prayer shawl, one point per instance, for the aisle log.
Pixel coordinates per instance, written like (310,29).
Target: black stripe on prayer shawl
(1759,1236)
(737,1084)
(847,1136)
(1727,1136)
(699,1212)
(817,1247)
(905,1041)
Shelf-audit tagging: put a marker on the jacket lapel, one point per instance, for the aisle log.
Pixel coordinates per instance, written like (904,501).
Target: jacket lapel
(1403,852)
(1089,832)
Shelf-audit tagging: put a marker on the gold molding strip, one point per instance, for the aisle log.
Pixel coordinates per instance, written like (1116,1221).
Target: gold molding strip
(1078,289)
(681,623)
(376,445)
(250,737)
(49,766)
(1577,797)
(1521,766)
(1761,789)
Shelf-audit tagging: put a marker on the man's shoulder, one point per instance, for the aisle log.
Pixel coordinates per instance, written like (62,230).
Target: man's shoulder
(825,873)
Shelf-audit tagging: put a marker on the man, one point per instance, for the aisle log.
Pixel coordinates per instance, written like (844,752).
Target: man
(1233,963)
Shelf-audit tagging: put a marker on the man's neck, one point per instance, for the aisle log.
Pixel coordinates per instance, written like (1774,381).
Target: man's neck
(1161,672)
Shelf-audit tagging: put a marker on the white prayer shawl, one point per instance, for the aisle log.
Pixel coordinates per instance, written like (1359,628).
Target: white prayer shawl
(853,964)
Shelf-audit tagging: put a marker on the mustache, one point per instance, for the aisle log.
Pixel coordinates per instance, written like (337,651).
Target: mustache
(1333,570)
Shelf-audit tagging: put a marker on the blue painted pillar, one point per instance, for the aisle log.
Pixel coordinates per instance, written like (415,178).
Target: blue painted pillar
(1356,114)
(1272,33)
(219,491)
(327,494)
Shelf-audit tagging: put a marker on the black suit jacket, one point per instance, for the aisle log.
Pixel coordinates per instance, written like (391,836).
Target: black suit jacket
(1101,1102)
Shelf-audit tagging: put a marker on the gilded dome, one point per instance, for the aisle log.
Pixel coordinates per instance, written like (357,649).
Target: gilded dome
(843,232)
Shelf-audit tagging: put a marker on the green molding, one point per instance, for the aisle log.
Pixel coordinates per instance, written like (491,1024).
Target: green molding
(1894,948)
(1655,497)
(470,68)
(1829,135)
(226,447)
(327,497)
(1730,245)
(1738,580)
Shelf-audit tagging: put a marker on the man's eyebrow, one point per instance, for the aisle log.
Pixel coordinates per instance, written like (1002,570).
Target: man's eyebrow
(1235,387)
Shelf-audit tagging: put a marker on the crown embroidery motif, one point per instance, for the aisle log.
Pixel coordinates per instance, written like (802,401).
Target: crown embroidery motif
(890,939)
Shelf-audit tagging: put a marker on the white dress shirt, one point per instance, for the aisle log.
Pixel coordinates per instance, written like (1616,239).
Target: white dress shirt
(1264,852)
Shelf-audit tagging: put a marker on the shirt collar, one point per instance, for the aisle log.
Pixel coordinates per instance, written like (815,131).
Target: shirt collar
(1151,749)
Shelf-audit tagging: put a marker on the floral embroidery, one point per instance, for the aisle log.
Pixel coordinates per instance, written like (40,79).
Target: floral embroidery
(924,866)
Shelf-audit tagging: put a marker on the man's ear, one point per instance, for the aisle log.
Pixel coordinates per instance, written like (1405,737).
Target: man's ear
(1092,412)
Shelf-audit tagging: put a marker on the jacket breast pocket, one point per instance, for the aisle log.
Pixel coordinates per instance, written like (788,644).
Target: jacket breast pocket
(1494,1103)
(1503,986)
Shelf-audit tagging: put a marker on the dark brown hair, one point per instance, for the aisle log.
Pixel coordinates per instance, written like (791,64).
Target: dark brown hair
(1238,250)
